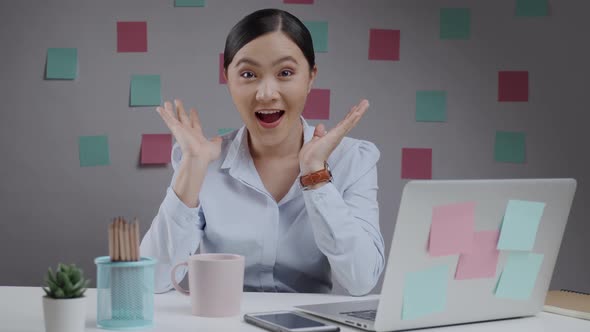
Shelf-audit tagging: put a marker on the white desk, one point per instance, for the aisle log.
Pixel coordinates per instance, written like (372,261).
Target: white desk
(21,310)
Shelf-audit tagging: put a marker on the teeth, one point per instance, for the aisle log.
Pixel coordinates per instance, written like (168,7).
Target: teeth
(268,112)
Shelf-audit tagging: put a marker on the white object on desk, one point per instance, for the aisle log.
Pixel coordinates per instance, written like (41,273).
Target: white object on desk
(21,310)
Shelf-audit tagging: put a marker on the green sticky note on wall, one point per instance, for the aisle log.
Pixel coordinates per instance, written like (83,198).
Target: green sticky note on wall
(455,23)
(519,276)
(520,225)
(319,35)
(62,64)
(425,292)
(532,8)
(93,151)
(189,3)
(510,147)
(223,131)
(431,106)
(145,90)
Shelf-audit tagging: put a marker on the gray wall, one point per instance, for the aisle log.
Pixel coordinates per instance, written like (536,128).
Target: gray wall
(53,210)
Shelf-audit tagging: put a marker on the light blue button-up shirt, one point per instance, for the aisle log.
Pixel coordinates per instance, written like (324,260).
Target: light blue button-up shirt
(295,245)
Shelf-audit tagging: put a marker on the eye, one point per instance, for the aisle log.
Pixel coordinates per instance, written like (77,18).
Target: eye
(247,74)
(286,73)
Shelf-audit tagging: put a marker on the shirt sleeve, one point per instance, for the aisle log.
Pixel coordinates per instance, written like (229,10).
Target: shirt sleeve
(345,222)
(174,235)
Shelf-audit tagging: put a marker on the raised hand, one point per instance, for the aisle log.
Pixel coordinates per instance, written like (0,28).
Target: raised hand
(188,132)
(315,152)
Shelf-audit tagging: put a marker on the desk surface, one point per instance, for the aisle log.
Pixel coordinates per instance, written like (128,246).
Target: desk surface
(21,310)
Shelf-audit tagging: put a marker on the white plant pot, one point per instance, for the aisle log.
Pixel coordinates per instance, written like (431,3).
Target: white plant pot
(64,315)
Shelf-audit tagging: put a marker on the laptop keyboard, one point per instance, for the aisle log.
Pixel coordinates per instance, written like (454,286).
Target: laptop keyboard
(362,314)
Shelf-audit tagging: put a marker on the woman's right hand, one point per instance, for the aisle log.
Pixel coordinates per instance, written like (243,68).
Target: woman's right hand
(188,132)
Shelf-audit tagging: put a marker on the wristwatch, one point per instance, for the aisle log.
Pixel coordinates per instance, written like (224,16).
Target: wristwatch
(323,175)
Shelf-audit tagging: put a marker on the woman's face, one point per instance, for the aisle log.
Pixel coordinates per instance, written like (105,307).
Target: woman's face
(269,79)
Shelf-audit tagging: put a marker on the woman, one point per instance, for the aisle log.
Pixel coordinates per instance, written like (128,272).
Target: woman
(250,192)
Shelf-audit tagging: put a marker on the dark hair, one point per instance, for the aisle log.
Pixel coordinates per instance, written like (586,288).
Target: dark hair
(265,21)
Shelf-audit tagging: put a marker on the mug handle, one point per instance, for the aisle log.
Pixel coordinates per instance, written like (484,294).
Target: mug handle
(173,277)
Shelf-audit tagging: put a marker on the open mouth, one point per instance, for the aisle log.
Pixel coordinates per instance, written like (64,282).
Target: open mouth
(270,116)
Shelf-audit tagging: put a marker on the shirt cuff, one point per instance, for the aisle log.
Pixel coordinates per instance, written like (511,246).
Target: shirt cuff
(177,210)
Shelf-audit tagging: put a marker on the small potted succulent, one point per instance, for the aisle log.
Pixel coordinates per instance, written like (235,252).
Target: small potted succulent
(64,306)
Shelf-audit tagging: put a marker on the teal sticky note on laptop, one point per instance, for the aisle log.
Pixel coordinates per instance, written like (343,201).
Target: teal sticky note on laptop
(62,64)
(425,292)
(145,90)
(519,276)
(520,225)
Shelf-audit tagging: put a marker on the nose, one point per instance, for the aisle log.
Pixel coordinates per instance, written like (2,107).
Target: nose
(267,91)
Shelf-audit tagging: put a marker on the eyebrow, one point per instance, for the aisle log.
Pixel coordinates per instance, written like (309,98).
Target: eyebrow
(254,63)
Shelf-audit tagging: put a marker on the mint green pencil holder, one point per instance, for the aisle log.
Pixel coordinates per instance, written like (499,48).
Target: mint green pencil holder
(125,294)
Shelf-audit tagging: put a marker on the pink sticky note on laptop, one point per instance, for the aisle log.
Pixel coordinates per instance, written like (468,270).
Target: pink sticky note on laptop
(482,261)
(131,37)
(452,229)
(156,148)
(317,106)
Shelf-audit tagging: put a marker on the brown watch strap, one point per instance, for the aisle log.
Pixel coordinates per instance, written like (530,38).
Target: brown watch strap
(320,176)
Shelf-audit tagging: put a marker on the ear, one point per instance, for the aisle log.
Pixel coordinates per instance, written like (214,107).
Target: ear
(312,75)
(225,74)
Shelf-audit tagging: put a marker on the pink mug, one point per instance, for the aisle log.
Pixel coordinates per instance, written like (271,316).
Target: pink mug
(215,281)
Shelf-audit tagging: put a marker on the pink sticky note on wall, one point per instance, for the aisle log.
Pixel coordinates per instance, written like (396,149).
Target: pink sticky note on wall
(452,228)
(317,106)
(416,163)
(384,44)
(513,86)
(482,261)
(156,148)
(303,2)
(222,79)
(131,36)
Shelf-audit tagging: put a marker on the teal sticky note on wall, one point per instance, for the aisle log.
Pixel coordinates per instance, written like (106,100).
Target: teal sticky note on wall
(93,150)
(519,276)
(431,106)
(223,131)
(145,90)
(532,8)
(189,3)
(319,35)
(455,23)
(425,292)
(510,147)
(520,224)
(62,64)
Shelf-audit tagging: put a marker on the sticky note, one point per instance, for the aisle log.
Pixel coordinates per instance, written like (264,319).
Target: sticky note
(520,224)
(145,90)
(301,2)
(156,148)
(62,64)
(532,8)
(519,276)
(416,163)
(510,147)
(131,37)
(425,292)
(452,228)
(189,3)
(222,79)
(431,106)
(93,150)
(482,261)
(223,131)
(384,44)
(513,85)
(319,35)
(317,106)
(455,23)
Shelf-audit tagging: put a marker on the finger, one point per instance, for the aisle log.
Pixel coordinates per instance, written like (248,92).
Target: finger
(168,118)
(350,122)
(195,120)
(320,130)
(182,117)
(169,109)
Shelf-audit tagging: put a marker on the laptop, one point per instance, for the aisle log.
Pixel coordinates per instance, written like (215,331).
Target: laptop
(464,300)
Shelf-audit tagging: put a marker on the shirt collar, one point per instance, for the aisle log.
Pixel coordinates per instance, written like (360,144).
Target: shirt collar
(239,145)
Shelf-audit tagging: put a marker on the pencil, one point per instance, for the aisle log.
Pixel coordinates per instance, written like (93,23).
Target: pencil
(111,243)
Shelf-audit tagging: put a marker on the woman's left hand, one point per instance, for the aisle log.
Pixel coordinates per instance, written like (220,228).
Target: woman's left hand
(314,153)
